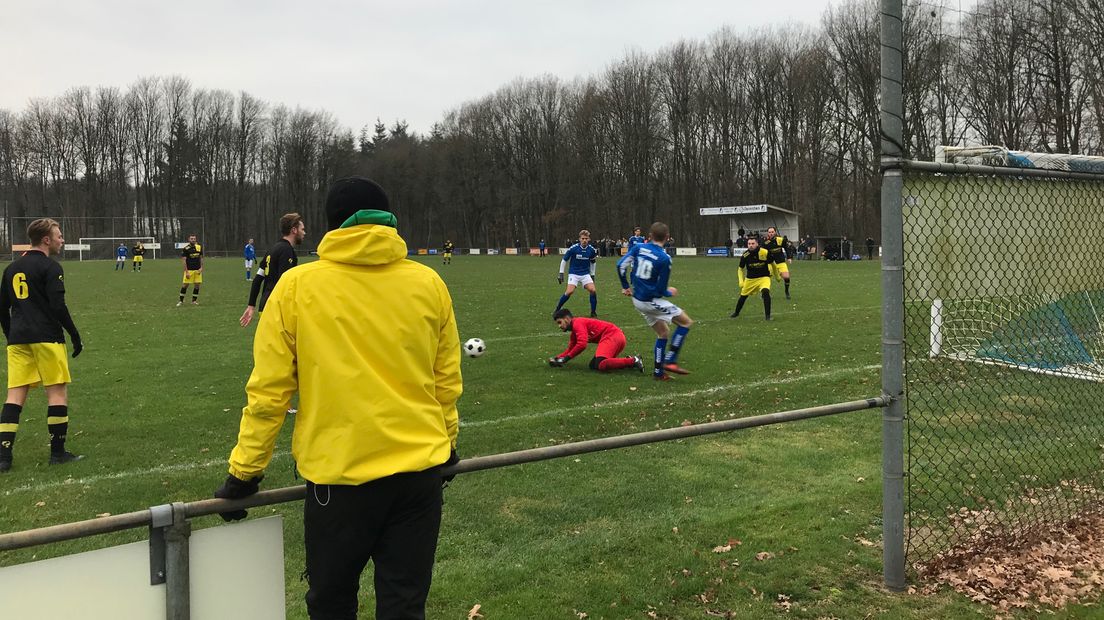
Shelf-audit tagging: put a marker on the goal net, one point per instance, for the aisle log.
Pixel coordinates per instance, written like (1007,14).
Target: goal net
(105,248)
(1060,336)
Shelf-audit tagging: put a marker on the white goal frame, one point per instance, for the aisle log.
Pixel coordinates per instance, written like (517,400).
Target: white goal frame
(151,243)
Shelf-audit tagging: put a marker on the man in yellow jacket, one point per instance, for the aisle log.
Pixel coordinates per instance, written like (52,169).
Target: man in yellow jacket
(378,385)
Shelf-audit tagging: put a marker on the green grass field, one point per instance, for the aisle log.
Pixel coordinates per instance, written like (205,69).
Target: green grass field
(625,534)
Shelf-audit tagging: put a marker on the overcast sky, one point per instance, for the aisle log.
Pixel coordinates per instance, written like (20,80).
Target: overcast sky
(412,59)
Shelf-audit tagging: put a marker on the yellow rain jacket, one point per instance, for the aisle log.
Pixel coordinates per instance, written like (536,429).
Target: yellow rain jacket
(369,341)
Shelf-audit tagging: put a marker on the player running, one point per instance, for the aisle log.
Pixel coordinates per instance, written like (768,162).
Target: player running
(649,267)
(32,314)
(192,257)
(448,252)
(138,254)
(121,255)
(610,339)
(580,262)
(782,253)
(756,263)
(279,259)
(250,256)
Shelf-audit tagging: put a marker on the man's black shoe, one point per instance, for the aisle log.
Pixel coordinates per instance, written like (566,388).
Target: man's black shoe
(64,457)
(5,467)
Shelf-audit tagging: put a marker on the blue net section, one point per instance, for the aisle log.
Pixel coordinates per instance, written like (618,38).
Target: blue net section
(1059,335)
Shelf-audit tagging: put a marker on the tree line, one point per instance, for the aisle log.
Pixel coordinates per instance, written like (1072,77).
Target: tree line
(786,116)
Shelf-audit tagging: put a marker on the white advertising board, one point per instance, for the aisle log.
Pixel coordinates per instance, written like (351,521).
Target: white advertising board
(237,571)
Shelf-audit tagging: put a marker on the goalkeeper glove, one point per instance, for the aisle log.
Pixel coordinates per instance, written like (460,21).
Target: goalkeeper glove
(556,362)
(235,488)
(559,278)
(78,346)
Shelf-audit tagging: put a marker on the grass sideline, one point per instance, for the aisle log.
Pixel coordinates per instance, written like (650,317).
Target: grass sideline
(623,534)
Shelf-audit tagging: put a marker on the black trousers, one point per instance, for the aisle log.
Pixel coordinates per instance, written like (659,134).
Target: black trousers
(394,522)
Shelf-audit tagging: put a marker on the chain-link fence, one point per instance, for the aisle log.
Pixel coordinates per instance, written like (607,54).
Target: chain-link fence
(1004,342)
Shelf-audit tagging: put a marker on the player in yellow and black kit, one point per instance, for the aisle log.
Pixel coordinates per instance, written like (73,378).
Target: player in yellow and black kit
(33,314)
(192,257)
(782,252)
(137,253)
(757,262)
(448,252)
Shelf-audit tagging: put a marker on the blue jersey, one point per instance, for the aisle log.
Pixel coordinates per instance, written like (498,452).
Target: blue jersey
(121,252)
(579,259)
(250,253)
(636,239)
(649,267)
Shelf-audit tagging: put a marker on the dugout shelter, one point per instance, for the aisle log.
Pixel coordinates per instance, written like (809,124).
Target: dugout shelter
(757,218)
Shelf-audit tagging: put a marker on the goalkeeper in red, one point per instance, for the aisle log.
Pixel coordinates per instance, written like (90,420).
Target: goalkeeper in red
(610,339)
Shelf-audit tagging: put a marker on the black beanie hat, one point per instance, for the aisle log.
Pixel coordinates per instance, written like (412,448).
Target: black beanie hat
(352,194)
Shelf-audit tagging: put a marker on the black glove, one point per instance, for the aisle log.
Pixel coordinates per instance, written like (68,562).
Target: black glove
(559,278)
(556,362)
(454,458)
(234,488)
(78,346)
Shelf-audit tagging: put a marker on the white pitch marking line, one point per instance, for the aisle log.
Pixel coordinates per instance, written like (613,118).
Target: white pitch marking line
(640,326)
(668,396)
(120,475)
(183,467)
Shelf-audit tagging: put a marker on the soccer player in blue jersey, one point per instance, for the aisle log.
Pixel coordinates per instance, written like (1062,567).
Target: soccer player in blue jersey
(648,267)
(637,237)
(250,256)
(579,261)
(121,254)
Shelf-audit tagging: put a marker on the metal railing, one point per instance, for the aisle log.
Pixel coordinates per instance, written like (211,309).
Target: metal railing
(170,527)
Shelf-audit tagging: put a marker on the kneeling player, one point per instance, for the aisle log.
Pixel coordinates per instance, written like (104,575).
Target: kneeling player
(610,339)
(757,263)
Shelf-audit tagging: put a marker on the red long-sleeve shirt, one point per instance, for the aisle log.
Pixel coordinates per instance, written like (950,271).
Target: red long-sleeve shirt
(585,331)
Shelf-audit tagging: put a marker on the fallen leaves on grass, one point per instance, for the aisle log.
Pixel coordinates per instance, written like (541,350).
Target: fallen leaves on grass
(474,612)
(1060,566)
(39,504)
(763,556)
(722,548)
(103,514)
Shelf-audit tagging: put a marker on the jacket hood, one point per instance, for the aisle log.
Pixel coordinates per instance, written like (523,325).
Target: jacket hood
(366,244)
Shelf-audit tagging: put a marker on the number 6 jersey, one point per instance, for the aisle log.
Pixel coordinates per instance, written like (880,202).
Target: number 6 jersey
(32,300)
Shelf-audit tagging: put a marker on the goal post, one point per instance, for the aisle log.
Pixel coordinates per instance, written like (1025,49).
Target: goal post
(103,248)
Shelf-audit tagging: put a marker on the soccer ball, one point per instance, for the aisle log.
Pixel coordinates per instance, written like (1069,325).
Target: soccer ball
(474,347)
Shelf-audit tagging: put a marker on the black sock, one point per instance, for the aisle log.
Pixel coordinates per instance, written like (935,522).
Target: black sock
(740,304)
(766,303)
(195,294)
(787,287)
(57,420)
(9,424)
(183,292)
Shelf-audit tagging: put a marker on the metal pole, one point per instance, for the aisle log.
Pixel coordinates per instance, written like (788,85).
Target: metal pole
(143,518)
(177,566)
(893,304)
(493,461)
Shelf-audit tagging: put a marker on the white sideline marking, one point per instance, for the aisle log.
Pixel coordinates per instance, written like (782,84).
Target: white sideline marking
(668,396)
(182,467)
(642,326)
(120,475)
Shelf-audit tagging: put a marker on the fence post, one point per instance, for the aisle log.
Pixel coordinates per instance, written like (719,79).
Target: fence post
(177,566)
(893,366)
